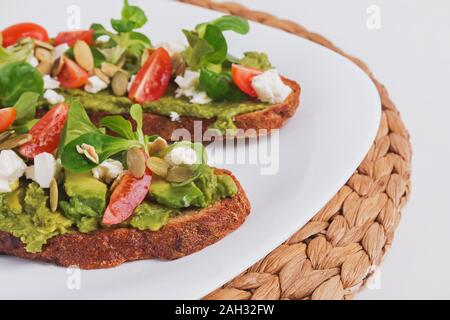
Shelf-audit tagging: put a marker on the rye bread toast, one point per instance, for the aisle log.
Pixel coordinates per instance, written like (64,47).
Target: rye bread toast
(273,117)
(108,248)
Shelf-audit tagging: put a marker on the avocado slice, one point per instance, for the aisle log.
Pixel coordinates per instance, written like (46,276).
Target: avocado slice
(87,195)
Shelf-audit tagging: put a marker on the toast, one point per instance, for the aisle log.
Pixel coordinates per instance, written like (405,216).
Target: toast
(108,248)
(270,118)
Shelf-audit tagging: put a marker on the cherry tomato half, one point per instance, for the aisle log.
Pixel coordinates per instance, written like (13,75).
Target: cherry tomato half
(70,37)
(152,80)
(19,31)
(243,76)
(46,132)
(129,193)
(72,76)
(7,117)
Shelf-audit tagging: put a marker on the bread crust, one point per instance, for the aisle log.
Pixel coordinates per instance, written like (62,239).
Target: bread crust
(273,117)
(108,248)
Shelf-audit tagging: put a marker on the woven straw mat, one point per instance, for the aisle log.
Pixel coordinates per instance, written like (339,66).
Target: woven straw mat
(336,252)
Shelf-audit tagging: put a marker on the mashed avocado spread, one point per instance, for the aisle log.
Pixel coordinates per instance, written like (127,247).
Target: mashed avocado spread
(223,112)
(25,211)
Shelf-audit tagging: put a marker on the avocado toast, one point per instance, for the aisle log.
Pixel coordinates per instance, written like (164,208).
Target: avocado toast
(178,83)
(74,195)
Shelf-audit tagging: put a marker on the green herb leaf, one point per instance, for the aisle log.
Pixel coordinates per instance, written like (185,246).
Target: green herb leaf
(24,127)
(77,124)
(215,38)
(137,114)
(119,125)
(225,23)
(134,15)
(99,30)
(215,85)
(105,146)
(26,107)
(17,78)
(19,52)
(197,50)
(99,57)
(220,87)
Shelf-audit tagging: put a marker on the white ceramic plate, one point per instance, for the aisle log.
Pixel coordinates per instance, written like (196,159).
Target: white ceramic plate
(319,150)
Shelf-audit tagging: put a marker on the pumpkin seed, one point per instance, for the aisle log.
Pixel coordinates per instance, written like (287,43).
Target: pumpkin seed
(45,67)
(57,66)
(179,174)
(109,69)
(116,182)
(178,65)
(136,162)
(99,73)
(42,44)
(156,146)
(83,55)
(43,54)
(120,83)
(89,152)
(6,135)
(53,195)
(16,141)
(158,166)
(121,61)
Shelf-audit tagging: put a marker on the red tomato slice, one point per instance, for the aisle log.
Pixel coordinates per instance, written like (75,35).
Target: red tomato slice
(72,76)
(7,117)
(129,193)
(243,76)
(152,80)
(46,132)
(70,37)
(19,31)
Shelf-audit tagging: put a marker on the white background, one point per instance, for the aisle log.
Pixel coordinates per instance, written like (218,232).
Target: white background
(410,54)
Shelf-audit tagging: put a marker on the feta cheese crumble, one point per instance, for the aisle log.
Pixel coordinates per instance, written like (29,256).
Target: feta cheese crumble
(174,116)
(270,88)
(181,155)
(108,170)
(12,167)
(188,84)
(59,51)
(53,97)
(50,83)
(95,84)
(44,169)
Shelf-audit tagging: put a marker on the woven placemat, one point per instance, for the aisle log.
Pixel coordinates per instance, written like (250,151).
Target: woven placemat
(335,253)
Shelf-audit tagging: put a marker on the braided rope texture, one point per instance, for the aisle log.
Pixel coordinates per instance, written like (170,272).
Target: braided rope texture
(336,252)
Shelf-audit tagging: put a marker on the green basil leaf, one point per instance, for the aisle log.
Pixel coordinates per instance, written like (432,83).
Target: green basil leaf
(19,52)
(134,14)
(98,56)
(220,87)
(215,85)
(99,30)
(26,107)
(105,146)
(122,25)
(215,38)
(137,114)
(24,127)
(225,23)
(119,125)
(197,50)
(17,78)
(77,124)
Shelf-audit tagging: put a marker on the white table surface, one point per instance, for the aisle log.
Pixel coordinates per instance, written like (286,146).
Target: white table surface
(410,54)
